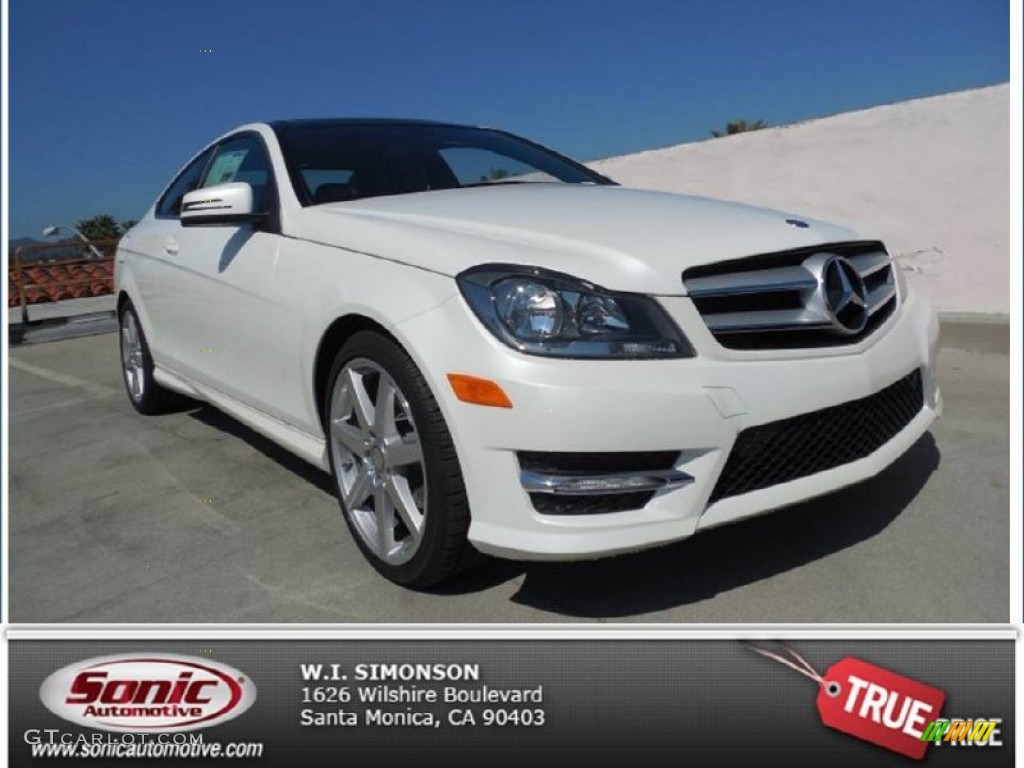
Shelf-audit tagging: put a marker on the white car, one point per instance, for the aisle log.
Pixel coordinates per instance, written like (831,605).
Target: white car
(496,349)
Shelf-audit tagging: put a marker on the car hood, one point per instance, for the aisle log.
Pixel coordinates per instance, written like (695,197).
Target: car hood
(619,238)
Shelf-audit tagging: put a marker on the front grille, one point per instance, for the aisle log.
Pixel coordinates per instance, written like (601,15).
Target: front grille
(596,463)
(785,450)
(775,301)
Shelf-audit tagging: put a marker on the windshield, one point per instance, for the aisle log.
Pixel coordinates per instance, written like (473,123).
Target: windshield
(332,162)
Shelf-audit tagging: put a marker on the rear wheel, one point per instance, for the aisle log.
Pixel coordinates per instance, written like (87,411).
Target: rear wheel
(145,394)
(394,463)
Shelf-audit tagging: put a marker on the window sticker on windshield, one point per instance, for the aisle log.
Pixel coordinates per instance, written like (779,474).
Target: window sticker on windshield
(225,166)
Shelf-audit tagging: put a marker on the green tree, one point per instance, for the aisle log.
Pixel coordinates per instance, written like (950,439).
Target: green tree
(739,126)
(102,227)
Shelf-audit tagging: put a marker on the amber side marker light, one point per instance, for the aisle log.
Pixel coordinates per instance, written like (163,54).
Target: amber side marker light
(470,389)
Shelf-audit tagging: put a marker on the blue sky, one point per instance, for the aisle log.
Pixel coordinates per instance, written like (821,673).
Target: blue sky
(109,97)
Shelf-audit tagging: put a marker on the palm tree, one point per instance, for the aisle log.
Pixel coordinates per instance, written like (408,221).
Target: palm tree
(739,126)
(496,174)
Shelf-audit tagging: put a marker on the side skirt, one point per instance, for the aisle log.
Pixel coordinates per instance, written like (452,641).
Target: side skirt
(305,446)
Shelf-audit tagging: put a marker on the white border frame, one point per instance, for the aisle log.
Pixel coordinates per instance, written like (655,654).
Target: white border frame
(1016,220)
(853,632)
(520,632)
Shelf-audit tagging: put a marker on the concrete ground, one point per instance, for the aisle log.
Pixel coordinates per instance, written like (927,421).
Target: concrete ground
(191,517)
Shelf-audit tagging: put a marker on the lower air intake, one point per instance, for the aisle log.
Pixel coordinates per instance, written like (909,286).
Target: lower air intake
(786,450)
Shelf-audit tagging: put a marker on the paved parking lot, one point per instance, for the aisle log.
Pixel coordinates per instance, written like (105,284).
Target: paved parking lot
(192,517)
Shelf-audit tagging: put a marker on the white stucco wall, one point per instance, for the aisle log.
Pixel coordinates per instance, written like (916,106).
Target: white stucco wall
(930,177)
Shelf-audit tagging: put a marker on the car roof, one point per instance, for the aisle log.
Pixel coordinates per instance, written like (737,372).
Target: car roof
(326,122)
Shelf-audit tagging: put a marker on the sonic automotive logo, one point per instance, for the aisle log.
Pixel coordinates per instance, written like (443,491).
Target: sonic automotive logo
(147,692)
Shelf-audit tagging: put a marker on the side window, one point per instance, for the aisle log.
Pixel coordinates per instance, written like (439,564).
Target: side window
(169,206)
(242,158)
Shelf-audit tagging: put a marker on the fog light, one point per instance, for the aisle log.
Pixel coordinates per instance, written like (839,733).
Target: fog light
(605,484)
(597,485)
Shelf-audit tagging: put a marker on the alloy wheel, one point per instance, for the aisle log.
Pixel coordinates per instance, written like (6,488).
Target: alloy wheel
(378,460)
(132,358)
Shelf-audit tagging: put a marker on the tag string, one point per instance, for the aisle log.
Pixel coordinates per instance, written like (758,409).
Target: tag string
(798,663)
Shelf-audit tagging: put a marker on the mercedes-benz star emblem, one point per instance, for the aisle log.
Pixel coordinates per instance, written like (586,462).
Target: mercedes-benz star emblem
(845,295)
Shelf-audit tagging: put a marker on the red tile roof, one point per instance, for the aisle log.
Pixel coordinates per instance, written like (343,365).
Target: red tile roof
(59,280)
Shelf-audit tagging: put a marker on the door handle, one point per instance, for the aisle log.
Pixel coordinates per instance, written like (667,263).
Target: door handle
(171,246)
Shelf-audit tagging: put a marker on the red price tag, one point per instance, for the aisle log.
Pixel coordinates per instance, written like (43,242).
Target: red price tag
(869,702)
(879,706)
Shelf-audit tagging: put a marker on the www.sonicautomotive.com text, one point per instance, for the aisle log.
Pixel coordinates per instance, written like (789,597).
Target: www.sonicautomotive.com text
(52,742)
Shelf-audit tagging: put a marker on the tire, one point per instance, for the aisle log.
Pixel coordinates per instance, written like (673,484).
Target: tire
(395,469)
(145,395)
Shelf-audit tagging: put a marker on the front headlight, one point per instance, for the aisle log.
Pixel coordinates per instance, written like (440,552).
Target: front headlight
(547,313)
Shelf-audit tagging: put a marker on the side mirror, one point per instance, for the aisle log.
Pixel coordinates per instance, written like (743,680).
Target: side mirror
(223,205)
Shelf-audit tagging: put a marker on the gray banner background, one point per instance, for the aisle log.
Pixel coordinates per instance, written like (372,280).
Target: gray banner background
(608,702)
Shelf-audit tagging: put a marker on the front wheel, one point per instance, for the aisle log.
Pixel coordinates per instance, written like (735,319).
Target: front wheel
(395,468)
(145,394)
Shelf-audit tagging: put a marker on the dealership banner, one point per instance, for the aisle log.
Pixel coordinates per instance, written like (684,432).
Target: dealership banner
(521,702)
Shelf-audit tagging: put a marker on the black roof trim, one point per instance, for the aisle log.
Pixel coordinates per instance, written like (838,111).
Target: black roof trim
(339,121)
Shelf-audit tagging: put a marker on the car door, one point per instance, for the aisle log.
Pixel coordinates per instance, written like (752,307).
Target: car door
(151,247)
(229,320)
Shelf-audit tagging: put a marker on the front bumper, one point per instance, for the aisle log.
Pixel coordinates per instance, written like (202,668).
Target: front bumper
(695,406)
